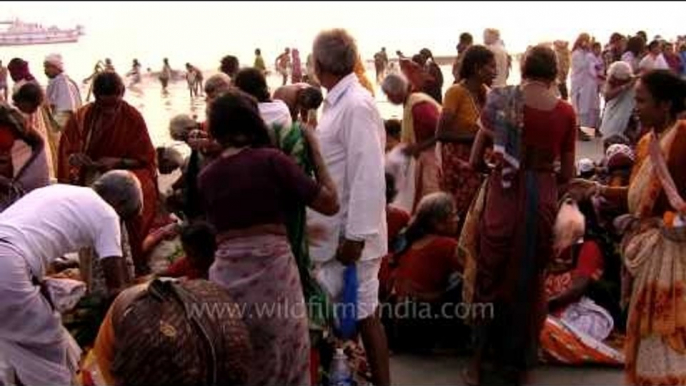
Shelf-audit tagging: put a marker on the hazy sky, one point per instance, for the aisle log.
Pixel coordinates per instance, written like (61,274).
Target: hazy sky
(203,31)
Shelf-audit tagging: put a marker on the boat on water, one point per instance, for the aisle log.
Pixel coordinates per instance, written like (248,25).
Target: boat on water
(19,33)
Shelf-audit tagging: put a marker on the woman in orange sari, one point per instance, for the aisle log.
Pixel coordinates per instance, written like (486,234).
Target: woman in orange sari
(654,245)
(458,125)
(111,134)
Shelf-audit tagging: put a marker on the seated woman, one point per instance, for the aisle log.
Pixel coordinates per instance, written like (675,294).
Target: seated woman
(23,161)
(422,270)
(147,326)
(582,312)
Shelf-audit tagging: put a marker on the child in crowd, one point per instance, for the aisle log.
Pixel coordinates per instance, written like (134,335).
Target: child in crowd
(199,244)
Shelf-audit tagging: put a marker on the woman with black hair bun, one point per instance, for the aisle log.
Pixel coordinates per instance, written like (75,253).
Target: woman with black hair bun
(246,194)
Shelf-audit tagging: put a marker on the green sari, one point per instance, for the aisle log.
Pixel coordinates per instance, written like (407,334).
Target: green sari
(292,142)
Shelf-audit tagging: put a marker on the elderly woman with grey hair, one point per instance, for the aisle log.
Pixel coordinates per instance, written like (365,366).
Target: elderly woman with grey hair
(418,135)
(32,339)
(352,140)
(426,265)
(619,102)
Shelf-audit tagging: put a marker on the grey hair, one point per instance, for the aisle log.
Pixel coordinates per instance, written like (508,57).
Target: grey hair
(435,206)
(122,190)
(433,209)
(394,84)
(180,126)
(335,52)
(218,82)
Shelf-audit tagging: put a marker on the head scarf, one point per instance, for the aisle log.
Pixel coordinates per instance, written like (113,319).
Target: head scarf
(585,165)
(619,155)
(55,60)
(620,70)
(19,69)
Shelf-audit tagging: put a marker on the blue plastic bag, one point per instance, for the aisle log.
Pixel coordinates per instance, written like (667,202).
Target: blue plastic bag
(347,318)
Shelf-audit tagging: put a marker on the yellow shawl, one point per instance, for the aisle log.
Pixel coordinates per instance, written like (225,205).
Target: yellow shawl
(407,135)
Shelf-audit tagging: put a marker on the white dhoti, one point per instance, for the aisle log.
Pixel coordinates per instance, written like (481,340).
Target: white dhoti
(33,342)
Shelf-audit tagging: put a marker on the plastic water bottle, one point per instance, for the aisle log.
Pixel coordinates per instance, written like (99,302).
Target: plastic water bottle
(340,374)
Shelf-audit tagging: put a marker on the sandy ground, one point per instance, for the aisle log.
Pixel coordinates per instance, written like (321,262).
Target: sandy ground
(442,370)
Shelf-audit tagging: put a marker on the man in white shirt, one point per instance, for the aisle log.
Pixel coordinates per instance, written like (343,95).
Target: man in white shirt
(62,93)
(43,225)
(654,60)
(352,140)
(63,98)
(502,58)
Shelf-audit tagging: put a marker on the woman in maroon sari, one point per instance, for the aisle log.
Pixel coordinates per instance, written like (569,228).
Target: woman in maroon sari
(111,134)
(515,232)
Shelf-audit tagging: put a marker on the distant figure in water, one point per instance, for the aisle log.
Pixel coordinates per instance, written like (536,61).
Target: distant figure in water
(135,73)
(194,79)
(3,82)
(380,64)
(165,75)
(98,68)
(259,61)
(283,62)
(296,67)
(310,77)
(109,67)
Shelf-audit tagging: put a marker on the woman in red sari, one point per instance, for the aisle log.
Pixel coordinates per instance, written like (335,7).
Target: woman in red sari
(111,134)
(422,272)
(458,125)
(515,232)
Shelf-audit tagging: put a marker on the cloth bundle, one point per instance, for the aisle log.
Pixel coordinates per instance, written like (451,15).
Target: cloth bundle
(570,226)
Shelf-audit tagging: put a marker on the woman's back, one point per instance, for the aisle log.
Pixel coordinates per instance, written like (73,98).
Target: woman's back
(253,187)
(551,131)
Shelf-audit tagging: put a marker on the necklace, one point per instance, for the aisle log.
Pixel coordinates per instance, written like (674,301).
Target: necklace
(476,101)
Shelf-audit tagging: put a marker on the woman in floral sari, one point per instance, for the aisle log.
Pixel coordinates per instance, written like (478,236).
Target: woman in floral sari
(654,245)
(458,125)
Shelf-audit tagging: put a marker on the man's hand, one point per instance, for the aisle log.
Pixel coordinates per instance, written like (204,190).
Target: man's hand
(116,277)
(349,252)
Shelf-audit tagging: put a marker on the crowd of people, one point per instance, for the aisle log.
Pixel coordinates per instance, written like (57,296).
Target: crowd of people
(286,213)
